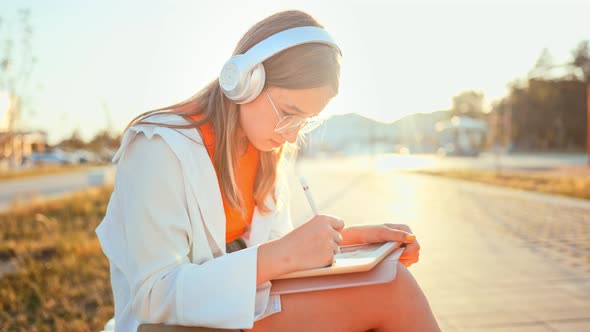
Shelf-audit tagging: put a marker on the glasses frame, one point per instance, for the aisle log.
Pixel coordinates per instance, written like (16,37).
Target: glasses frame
(309,123)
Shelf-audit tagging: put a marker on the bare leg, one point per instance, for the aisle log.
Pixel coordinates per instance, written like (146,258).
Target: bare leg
(396,306)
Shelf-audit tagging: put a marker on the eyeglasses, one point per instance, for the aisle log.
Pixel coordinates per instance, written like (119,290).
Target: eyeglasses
(290,123)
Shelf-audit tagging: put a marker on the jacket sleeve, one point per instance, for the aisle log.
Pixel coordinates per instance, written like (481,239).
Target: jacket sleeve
(165,287)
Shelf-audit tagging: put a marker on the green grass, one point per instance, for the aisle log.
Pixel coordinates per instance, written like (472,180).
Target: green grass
(61,281)
(552,183)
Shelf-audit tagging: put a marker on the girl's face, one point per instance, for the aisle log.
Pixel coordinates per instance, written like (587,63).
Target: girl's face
(258,118)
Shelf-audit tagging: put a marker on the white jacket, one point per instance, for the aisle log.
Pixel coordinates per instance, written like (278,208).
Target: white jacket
(164,236)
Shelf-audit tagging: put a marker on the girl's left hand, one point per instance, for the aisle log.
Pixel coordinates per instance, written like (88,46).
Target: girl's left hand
(385,232)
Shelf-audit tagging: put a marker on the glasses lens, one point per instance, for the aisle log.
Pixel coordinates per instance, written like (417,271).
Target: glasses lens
(311,125)
(288,124)
(291,123)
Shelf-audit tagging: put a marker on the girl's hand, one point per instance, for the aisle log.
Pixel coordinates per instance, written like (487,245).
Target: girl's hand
(314,243)
(382,233)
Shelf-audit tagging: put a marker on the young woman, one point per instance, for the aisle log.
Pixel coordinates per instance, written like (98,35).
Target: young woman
(198,223)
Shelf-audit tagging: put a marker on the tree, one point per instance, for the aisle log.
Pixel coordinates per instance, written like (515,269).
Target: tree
(17,62)
(74,142)
(103,140)
(468,103)
(581,59)
(544,65)
(16,66)
(549,110)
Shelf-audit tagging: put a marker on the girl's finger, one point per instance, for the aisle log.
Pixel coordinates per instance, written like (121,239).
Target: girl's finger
(337,238)
(337,224)
(402,227)
(411,249)
(410,258)
(407,262)
(389,234)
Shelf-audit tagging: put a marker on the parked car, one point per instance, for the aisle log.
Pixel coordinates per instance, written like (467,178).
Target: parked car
(451,149)
(49,158)
(83,157)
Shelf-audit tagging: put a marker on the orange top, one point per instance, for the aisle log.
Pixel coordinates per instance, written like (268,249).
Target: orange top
(235,224)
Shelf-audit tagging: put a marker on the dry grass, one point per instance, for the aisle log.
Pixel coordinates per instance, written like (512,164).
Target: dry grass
(560,183)
(42,170)
(62,278)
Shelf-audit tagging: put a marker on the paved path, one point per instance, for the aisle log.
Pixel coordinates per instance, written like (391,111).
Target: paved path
(486,161)
(27,189)
(24,190)
(492,259)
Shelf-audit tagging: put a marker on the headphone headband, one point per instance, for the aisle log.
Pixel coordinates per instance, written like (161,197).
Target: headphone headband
(242,76)
(286,39)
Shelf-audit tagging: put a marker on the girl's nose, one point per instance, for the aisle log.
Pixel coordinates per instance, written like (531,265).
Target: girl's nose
(291,136)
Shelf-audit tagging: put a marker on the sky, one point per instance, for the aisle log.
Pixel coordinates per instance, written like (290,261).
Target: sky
(101,63)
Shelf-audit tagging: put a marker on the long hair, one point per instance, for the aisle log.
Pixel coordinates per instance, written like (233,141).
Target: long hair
(304,66)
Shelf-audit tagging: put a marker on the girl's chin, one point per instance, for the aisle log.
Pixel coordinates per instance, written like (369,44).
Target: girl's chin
(274,144)
(267,146)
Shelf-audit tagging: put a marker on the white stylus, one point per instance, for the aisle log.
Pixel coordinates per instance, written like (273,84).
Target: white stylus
(310,199)
(308,195)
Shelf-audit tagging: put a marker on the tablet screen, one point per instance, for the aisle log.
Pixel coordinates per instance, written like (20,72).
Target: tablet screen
(355,258)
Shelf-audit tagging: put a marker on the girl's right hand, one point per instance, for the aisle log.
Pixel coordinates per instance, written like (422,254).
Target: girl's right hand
(314,243)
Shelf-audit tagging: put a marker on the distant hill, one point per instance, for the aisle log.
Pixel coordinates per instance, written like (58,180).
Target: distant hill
(354,133)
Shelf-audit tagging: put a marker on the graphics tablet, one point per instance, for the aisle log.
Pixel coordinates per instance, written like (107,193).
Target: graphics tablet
(354,258)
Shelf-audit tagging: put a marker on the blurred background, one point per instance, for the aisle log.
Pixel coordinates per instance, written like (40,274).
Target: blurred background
(467,120)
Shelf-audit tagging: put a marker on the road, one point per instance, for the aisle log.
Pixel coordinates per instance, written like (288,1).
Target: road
(25,190)
(492,259)
(484,161)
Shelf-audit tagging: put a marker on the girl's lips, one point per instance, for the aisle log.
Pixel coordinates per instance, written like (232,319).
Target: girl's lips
(275,143)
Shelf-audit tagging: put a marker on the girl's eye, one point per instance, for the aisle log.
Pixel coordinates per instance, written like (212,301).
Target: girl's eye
(285,113)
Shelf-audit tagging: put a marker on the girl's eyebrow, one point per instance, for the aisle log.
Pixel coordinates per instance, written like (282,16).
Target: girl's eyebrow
(295,108)
(298,110)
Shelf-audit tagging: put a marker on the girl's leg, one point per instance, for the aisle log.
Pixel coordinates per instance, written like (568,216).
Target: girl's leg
(399,305)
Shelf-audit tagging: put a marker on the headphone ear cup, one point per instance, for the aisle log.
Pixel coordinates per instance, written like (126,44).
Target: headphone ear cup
(254,84)
(242,77)
(229,78)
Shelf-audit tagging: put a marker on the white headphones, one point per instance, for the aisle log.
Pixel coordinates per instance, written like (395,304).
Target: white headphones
(242,76)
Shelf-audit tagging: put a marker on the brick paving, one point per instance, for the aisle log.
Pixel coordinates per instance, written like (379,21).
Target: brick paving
(492,258)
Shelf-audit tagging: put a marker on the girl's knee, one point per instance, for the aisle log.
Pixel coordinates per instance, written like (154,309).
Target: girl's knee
(403,283)
(402,275)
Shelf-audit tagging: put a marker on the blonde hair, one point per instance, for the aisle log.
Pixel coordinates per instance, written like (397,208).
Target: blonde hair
(304,66)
